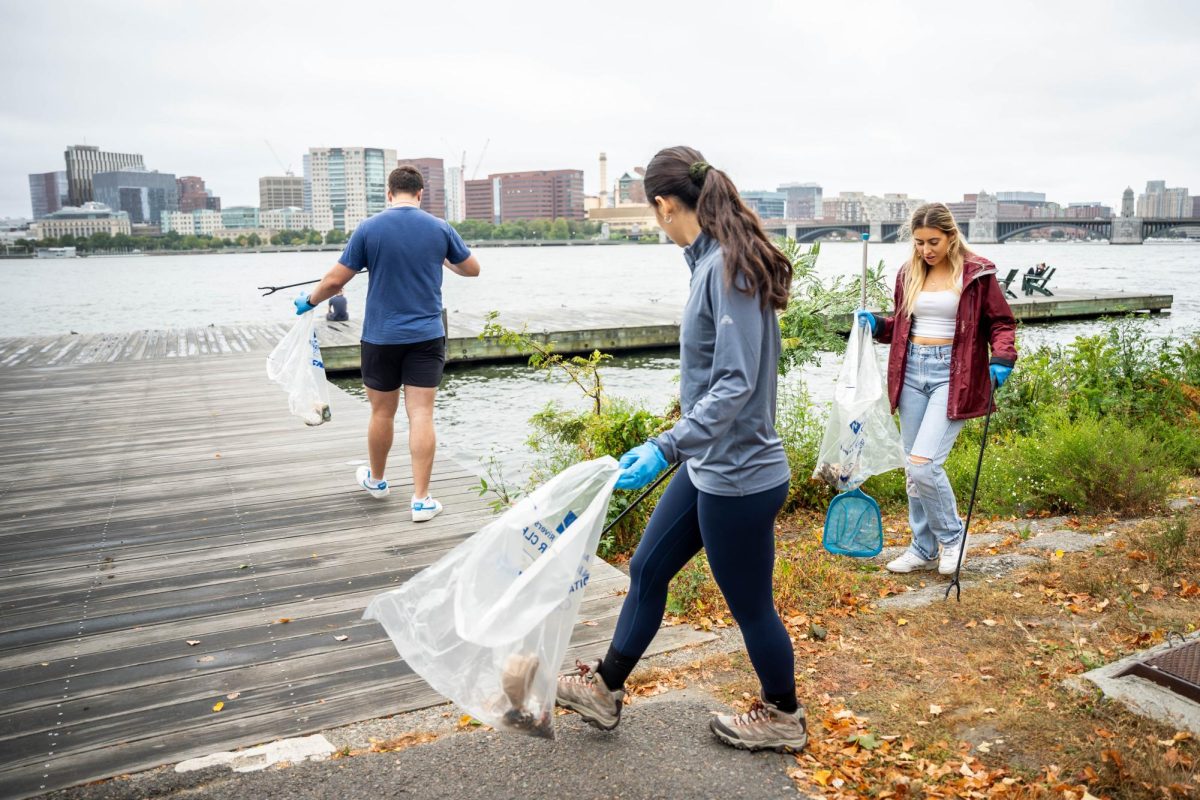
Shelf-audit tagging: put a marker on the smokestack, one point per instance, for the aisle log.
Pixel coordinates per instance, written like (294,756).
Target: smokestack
(603,180)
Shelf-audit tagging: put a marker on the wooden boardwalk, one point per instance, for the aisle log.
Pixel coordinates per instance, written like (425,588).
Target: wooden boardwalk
(170,539)
(610,329)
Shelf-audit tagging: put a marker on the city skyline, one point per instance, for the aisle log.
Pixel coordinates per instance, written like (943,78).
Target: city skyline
(1076,116)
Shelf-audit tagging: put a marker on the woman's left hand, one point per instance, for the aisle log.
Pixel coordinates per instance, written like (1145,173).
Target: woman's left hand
(999,374)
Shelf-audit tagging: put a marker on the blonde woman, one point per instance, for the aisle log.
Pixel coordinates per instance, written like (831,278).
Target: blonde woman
(952,339)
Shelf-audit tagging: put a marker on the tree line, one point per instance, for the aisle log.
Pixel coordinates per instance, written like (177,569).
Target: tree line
(557,229)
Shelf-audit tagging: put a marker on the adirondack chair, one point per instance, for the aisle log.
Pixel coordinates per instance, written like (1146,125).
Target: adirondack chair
(1037,283)
(1006,282)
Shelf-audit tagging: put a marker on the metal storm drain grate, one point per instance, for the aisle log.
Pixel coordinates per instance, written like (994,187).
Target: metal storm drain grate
(1177,668)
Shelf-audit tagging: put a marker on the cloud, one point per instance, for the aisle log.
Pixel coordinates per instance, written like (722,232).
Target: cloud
(1077,99)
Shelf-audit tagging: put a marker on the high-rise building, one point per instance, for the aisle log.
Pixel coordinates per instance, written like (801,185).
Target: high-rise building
(47,192)
(84,161)
(1196,207)
(541,194)
(768,205)
(143,195)
(433,172)
(1177,203)
(803,200)
(1159,201)
(478,202)
(1127,206)
(455,207)
(307,184)
(349,184)
(193,196)
(284,191)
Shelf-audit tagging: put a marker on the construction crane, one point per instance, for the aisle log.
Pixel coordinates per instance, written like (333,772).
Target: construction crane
(286,170)
(482,153)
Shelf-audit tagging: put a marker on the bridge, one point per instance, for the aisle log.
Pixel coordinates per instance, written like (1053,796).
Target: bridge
(1117,230)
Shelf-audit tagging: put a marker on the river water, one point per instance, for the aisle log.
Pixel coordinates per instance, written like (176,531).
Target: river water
(483,409)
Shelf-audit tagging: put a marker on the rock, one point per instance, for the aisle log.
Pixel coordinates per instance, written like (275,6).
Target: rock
(1067,541)
(920,597)
(998,565)
(1183,503)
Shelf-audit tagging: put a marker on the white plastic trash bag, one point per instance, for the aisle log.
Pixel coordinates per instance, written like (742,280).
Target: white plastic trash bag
(861,438)
(296,365)
(488,624)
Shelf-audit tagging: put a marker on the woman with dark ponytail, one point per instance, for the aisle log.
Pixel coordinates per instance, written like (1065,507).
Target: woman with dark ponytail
(736,475)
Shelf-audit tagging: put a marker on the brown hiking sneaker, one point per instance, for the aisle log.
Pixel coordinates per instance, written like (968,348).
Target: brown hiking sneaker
(585,693)
(763,727)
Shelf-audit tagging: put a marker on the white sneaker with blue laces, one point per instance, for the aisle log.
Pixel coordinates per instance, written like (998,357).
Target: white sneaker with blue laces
(426,509)
(377,489)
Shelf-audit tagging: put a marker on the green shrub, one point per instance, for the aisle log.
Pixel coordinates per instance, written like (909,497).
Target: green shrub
(1091,464)
(801,426)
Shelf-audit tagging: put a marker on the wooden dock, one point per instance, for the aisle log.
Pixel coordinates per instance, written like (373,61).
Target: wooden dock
(171,539)
(609,329)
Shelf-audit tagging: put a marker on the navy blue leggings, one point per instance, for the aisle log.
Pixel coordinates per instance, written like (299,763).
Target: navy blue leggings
(739,535)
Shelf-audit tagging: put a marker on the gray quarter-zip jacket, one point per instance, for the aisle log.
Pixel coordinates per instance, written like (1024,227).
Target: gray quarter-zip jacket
(728,361)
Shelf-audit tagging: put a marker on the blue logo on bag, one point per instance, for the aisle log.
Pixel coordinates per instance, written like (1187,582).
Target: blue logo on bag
(856,426)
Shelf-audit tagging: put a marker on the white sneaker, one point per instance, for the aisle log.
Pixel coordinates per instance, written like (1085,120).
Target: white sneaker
(910,562)
(949,560)
(377,490)
(425,510)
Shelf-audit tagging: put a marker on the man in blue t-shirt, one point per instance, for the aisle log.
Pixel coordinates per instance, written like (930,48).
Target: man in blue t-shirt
(403,341)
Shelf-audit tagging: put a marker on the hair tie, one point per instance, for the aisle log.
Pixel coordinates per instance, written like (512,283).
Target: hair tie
(697,171)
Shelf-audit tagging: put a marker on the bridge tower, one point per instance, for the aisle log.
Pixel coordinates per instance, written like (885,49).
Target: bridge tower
(983,224)
(1126,230)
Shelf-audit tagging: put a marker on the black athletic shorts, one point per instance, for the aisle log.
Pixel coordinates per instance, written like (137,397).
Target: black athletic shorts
(387,367)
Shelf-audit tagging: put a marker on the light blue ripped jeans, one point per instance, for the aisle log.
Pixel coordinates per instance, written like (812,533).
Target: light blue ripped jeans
(928,433)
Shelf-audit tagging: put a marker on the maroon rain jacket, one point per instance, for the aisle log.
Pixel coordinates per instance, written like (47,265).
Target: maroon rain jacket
(984,319)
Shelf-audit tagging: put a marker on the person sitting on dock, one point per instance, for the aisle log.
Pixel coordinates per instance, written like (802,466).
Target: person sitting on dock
(403,339)
(339,308)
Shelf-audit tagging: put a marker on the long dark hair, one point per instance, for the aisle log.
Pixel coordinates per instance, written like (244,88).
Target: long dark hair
(682,173)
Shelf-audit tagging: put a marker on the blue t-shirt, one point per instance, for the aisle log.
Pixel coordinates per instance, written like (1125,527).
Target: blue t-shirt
(403,247)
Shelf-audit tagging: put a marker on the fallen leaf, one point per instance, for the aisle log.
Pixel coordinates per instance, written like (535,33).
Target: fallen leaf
(902,621)
(934,710)
(984,747)
(1058,554)
(971,624)
(591,623)
(341,638)
(989,711)
(193,642)
(220,704)
(283,620)
(233,695)
(991,623)
(1138,555)
(243,566)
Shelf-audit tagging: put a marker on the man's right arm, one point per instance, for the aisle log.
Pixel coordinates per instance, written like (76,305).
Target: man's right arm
(468,268)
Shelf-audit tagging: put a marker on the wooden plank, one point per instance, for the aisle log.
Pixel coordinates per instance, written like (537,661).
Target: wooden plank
(101,589)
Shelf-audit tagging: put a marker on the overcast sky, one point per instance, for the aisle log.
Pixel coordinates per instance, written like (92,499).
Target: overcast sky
(1076,99)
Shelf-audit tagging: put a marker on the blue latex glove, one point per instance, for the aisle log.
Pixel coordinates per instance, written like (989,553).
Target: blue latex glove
(867,318)
(302,305)
(640,466)
(999,374)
